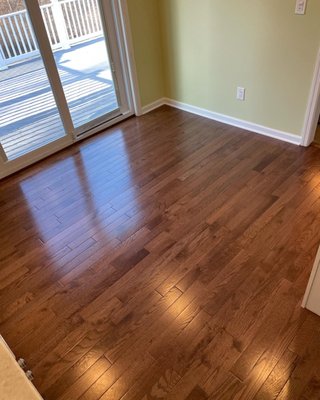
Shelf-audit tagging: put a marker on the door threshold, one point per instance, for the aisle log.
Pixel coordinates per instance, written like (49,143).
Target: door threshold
(103,126)
(20,164)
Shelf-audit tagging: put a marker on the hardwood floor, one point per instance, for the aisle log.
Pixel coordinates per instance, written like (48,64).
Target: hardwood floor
(164,259)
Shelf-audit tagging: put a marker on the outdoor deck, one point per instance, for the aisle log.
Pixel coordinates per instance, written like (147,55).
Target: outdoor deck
(29,117)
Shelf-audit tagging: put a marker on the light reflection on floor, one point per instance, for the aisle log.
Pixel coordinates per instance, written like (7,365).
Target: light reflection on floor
(91,210)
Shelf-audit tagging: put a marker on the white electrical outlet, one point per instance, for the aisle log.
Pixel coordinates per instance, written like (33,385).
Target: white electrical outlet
(241,93)
(301,7)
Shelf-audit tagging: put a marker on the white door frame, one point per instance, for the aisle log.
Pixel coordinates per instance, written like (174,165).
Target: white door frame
(313,108)
(313,276)
(123,32)
(37,22)
(118,30)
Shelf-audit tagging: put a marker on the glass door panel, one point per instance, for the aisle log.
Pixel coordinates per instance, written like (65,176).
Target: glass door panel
(63,75)
(29,117)
(76,34)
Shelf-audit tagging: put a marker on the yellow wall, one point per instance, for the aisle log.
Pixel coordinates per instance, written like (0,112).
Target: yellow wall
(199,51)
(213,46)
(147,42)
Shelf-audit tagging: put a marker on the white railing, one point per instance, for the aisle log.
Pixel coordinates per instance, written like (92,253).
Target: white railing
(67,22)
(82,19)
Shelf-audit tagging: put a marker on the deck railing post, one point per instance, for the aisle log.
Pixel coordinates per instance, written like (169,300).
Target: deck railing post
(3,64)
(60,24)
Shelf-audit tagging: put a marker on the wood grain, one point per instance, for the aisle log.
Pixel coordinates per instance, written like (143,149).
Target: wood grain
(164,259)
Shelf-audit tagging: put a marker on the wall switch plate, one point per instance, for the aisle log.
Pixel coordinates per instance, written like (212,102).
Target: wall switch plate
(301,7)
(241,93)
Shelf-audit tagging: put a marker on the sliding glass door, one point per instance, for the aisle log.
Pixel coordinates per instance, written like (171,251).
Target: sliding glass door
(61,74)
(75,28)
(29,117)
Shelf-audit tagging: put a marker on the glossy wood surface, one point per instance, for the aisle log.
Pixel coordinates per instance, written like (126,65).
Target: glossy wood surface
(164,259)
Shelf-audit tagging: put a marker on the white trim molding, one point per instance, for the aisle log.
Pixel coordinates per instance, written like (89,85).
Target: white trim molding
(239,123)
(152,106)
(129,50)
(313,108)
(312,280)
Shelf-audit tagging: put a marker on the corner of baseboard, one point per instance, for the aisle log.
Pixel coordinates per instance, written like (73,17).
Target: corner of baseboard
(154,105)
(239,123)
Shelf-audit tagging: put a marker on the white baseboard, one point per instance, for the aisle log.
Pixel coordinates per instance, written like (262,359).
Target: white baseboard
(152,106)
(239,123)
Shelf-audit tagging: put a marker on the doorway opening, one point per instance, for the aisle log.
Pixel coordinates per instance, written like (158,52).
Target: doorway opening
(317,134)
(311,125)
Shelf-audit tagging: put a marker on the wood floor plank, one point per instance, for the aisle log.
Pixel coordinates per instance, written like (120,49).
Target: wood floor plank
(165,258)
(275,382)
